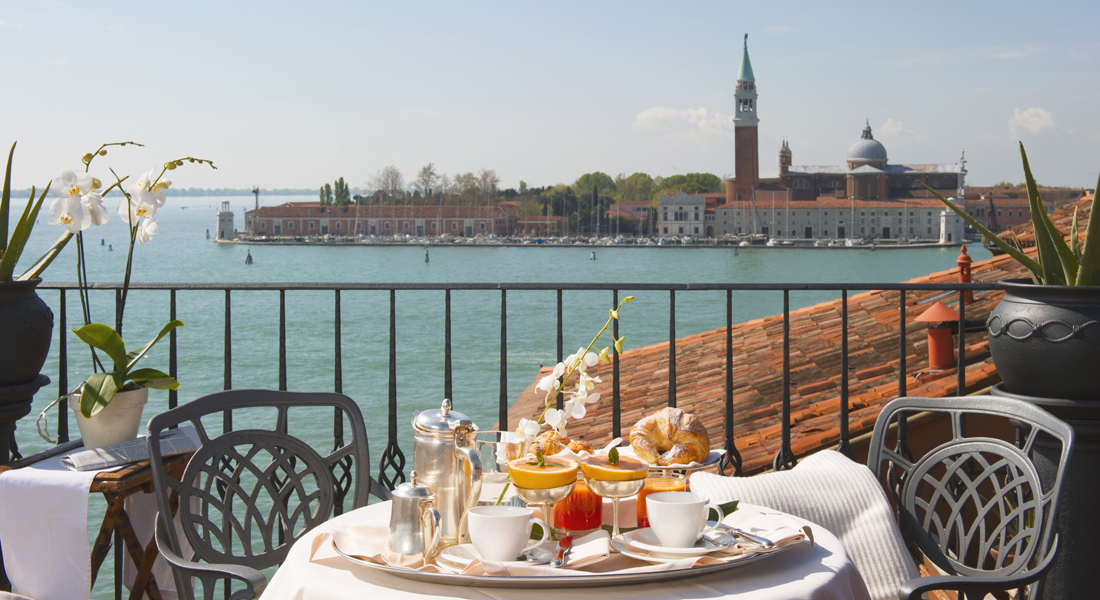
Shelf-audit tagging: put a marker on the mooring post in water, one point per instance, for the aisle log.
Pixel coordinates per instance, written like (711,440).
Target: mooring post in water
(425,255)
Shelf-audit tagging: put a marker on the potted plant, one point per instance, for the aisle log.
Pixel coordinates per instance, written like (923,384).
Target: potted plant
(1045,334)
(108,404)
(26,322)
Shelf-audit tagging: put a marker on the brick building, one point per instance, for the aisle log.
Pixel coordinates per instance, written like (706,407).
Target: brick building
(310,218)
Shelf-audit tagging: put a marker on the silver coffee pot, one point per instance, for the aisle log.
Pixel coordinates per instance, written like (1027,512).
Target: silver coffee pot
(415,525)
(446,459)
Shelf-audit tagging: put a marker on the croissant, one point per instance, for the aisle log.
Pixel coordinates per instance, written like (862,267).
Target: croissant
(670,437)
(552,442)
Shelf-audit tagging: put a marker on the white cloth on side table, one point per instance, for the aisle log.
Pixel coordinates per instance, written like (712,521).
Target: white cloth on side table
(843,496)
(44,531)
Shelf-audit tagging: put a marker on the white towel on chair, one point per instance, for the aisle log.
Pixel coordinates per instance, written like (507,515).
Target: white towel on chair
(829,489)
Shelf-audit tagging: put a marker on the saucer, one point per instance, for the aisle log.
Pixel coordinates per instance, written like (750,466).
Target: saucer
(459,557)
(645,556)
(646,540)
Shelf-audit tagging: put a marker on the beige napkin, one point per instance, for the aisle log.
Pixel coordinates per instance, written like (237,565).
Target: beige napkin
(781,534)
(585,551)
(365,541)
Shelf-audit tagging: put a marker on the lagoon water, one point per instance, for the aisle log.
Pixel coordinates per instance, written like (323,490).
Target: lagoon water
(181,253)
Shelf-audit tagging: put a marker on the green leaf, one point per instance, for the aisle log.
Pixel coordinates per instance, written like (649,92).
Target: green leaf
(4,203)
(102,337)
(1048,239)
(20,235)
(729,507)
(153,378)
(1088,272)
(47,258)
(540,460)
(136,356)
(613,456)
(97,393)
(1074,244)
(1015,253)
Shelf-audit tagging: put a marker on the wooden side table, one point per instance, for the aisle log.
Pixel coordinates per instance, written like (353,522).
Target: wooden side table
(116,486)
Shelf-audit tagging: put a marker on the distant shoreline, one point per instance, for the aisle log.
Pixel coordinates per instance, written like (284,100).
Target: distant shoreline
(804,246)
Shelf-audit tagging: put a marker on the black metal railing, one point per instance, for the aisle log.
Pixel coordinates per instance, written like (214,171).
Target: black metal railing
(392,464)
(391,468)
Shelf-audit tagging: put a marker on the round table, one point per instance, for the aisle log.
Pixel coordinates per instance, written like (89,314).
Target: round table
(821,571)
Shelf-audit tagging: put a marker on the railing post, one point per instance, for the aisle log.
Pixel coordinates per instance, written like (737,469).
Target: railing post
(392,457)
(561,350)
(227,374)
(960,382)
(282,340)
(338,383)
(173,395)
(502,415)
(616,400)
(672,348)
(902,445)
(448,378)
(62,373)
(845,435)
(784,458)
(732,458)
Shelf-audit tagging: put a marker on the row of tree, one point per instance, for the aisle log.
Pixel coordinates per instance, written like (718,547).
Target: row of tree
(584,203)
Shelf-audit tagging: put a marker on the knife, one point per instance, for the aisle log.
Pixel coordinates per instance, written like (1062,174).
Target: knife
(563,546)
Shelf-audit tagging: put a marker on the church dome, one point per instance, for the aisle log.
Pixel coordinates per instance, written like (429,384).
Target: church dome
(785,150)
(867,148)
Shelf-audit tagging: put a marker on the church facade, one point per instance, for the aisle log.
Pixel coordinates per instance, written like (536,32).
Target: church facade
(865,183)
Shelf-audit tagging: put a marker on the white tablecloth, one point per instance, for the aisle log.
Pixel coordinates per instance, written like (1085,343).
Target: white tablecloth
(819,572)
(44,532)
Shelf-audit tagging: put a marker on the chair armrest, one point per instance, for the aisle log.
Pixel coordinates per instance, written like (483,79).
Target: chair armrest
(208,574)
(976,585)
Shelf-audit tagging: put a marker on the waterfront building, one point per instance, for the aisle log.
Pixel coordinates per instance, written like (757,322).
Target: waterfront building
(687,215)
(310,218)
(541,225)
(891,202)
(226,229)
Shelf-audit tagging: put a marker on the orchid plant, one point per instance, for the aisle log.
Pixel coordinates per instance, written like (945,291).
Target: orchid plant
(79,205)
(554,384)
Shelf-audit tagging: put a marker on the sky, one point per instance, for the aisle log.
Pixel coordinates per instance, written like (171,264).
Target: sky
(295,94)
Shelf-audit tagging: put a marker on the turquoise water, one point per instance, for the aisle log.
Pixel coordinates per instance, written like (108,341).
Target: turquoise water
(181,253)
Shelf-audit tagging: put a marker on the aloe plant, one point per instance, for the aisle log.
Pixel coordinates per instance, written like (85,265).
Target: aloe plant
(12,248)
(1056,262)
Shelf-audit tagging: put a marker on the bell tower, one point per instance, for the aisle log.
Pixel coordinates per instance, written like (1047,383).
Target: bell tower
(746,146)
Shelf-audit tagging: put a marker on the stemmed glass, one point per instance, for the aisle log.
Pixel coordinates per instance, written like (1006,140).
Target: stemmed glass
(615,490)
(547,497)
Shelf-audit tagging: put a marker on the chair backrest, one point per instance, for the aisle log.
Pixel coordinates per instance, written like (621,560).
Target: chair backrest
(247,495)
(977,506)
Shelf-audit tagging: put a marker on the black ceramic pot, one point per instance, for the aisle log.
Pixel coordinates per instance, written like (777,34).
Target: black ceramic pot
(26,328)
(1045,339)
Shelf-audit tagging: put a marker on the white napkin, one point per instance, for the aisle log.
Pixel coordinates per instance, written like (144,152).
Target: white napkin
(365,541)
(780,534)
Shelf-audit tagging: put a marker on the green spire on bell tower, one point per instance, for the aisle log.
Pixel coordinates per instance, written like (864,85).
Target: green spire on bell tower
(745,72)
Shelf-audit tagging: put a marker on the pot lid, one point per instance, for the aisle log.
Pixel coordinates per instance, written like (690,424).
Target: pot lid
(441,420)
(412,489)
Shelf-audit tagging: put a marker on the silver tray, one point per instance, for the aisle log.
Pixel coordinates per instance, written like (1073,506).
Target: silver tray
(564,581)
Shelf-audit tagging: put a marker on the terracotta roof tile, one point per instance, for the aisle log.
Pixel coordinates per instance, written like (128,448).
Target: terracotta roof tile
(815,363)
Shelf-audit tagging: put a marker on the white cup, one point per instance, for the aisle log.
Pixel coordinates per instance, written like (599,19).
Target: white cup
(502,533)
(679,519)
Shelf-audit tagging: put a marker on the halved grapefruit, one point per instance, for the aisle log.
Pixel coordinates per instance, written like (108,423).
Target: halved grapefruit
(556,472)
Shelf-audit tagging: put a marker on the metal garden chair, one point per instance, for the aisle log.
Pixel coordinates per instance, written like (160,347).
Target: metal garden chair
(980,509)
(247,495)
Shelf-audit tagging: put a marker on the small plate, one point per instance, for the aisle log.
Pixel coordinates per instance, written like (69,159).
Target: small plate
(459,557)
(652,558)
(646,540)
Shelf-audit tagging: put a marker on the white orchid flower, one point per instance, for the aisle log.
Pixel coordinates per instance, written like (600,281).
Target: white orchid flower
(556,419)
(70,184)
(591,359)
(93,203)
(147,230)
(527,431)
(574,409)
(134,209)
(68,211)
(550,383)
(148,193)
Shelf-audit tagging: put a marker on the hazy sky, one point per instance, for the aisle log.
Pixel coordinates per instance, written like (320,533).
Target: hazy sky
(293,94)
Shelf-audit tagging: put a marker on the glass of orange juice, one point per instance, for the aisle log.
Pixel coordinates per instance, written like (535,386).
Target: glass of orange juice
(659,481)
(579,514)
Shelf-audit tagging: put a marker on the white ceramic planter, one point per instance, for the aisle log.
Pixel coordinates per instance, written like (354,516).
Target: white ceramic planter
(116,423)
